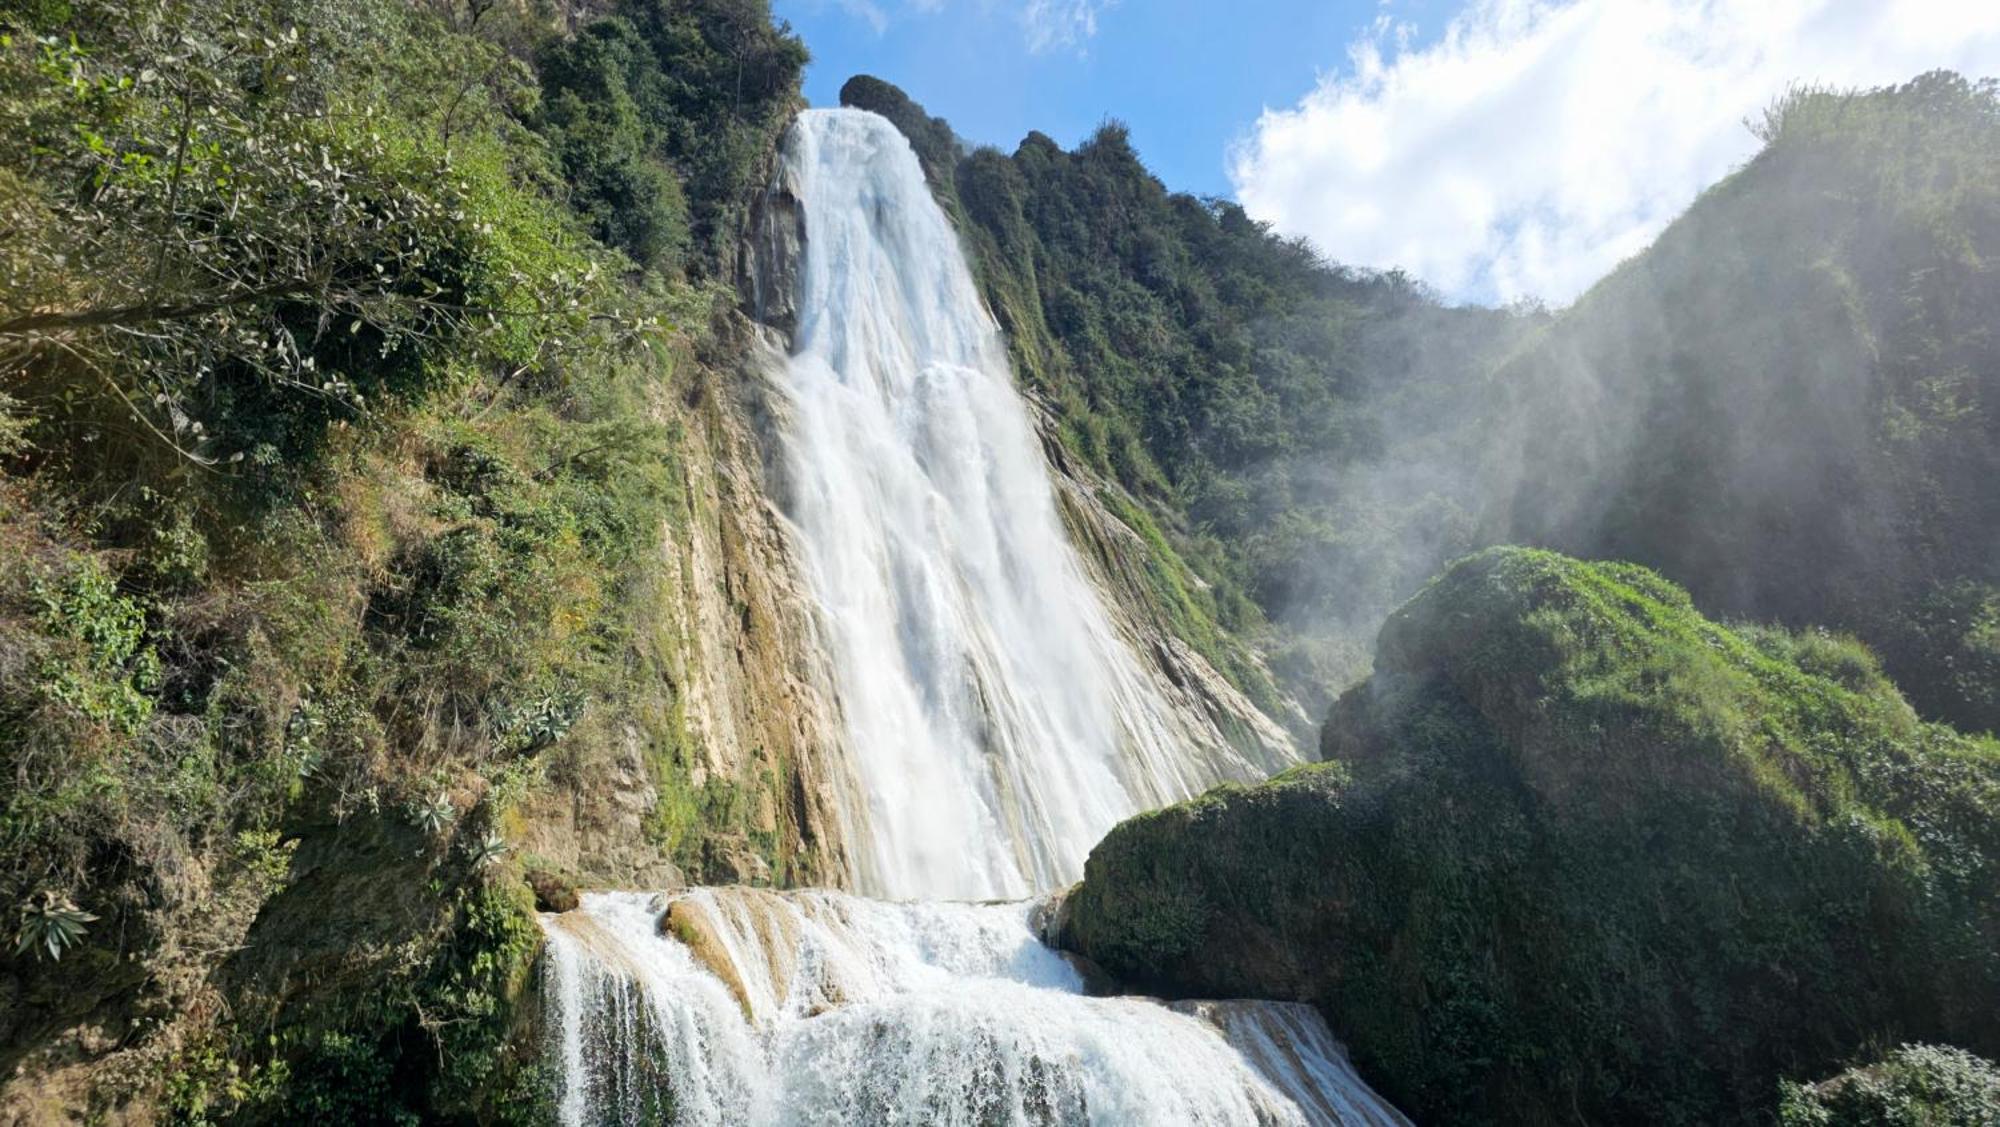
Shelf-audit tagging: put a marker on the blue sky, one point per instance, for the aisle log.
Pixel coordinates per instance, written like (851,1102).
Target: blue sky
(1498,149)
(1188,76)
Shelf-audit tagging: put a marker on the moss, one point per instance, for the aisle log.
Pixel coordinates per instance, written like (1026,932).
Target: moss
(1581,851)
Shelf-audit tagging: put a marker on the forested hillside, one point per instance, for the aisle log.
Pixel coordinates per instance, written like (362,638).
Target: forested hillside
(1791,403)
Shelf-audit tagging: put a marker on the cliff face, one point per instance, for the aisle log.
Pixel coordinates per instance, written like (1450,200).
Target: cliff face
(1215,718)
(715,761)
(753,718)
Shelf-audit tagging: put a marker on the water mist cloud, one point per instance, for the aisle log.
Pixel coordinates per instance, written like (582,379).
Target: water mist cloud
(1535,145)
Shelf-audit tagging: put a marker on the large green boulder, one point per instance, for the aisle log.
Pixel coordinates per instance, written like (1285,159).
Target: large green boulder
(1578,853)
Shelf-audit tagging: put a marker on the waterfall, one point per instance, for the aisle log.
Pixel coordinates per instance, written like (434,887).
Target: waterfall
(997,725)
(819,1007)
(997,722)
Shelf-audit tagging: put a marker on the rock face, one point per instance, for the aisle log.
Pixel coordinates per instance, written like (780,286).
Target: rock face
(756,719)
(760,701)
(1215,717)
(1581,854)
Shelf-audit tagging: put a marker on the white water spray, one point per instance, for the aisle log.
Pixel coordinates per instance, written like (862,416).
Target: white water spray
(998,724)
(828,1009)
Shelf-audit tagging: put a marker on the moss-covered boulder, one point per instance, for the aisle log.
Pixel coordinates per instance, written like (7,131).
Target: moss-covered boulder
(1579,853)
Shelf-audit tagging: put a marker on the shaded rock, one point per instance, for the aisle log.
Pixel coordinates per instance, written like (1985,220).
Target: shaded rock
(736,865)
(553,893)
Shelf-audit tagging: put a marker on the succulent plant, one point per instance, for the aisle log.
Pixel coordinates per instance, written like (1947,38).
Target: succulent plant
(433,815)
(51,923)
(489,851)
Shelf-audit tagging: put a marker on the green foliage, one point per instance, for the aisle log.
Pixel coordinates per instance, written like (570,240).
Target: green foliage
(443,1036)
(433,814)
(1581,852)
(338,434)
(937,147)
(341,1077)
(106,672)
(13,428)
(1914,1086)
(230,251)
(593,89)
(664,94)
(209,1082)
(487,851)
(469,1003)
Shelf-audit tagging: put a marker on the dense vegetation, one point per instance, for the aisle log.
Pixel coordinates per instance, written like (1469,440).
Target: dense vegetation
(1791,403)
(341,346)
(1915,1086)
(1581,853)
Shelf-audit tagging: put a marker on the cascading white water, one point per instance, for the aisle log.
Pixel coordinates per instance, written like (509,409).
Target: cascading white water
(998,724)
(824,1008)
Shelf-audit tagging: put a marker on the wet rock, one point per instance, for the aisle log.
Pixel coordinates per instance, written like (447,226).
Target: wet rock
(735,865)
(553,893)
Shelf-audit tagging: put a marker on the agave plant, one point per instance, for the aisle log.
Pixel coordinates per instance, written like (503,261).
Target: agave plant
(433,815)
(51,923)
(489,851)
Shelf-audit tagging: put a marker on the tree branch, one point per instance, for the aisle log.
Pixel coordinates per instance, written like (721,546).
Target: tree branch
(141,314)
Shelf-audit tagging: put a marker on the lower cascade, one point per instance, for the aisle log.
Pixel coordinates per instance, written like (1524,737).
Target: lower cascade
(741,1006)
(997,726)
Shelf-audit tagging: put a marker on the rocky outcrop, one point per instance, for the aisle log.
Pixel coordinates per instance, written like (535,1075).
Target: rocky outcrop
(760,702)
(1583,855)
(772,250)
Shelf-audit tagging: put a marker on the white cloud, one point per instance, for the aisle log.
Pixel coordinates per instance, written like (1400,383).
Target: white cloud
(1052,24)
(867,12)
(1536,144)
(1046,25)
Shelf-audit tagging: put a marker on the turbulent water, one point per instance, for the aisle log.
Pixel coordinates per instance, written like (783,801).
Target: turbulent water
(997,727)
(764,1008)
(998,724)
